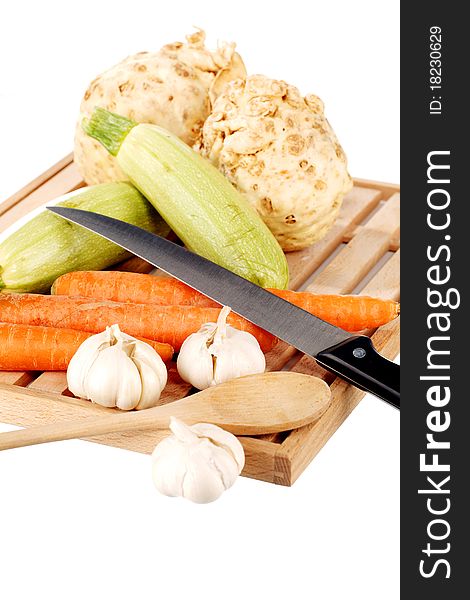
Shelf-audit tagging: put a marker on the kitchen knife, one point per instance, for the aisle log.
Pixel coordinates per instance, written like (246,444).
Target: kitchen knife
(352,357)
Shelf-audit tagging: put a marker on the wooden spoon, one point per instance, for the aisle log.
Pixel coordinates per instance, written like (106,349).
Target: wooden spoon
(251,405)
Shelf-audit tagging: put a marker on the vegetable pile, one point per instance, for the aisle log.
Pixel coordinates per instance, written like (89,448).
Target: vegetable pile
(274,145)
(241,168)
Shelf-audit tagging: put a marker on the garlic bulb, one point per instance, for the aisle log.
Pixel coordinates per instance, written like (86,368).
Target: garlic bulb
(116,370)
(198,462)
(218,353)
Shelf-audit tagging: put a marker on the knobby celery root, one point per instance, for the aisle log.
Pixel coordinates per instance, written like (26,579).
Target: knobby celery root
(279,150)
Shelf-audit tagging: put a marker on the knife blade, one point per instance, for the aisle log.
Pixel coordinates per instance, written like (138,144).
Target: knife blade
(352,357)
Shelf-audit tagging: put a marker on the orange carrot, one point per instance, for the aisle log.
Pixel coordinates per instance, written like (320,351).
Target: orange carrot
(352,313)
(169,324)
(121,286)
(27,348)
(38,348)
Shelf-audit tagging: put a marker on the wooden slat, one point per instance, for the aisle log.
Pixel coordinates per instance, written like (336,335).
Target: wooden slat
(356,206)
(394,244)
(351,265)
(16,377)
(386,283)
(279,356)
(52,381)
(387,189)
(25,406)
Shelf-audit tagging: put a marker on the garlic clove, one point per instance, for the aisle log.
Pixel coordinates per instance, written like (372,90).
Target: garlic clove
(151,385)
(236,356)
(203,481)
(223,439)
(195,364)
(202,487)
(223,463)
(183,432)
(153,374)
(82,360)
(169,460)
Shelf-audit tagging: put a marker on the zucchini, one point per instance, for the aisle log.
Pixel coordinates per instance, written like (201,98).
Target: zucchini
(47,246)
(201,206)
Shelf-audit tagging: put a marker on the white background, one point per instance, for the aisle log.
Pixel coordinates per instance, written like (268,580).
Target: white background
(79,520)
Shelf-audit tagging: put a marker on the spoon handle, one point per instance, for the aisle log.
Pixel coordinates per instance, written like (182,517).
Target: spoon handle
(152,418)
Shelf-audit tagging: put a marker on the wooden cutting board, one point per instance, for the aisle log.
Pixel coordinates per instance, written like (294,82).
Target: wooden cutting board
(360,254)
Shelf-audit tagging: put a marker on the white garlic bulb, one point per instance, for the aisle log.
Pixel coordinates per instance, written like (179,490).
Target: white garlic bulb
(219,352)
(198,462)
(116,370)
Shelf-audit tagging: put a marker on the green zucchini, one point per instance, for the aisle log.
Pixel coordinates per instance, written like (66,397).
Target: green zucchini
(201,206)
(47,246)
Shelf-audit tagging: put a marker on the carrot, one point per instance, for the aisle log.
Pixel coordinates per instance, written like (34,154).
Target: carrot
(38,348)
(169,324)
(352,313)
(27,348)
(121,286)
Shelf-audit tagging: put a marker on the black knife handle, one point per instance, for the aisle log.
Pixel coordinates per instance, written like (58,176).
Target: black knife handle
(358,362)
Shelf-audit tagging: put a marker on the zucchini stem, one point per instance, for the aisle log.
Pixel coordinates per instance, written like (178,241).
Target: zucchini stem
(108,128)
